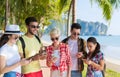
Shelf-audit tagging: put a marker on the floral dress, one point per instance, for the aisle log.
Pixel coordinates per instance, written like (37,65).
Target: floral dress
(92,72)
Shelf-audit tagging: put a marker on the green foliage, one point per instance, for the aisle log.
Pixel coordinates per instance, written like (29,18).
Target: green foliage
(107,9)
(111,73)
(64,5)
(115,3)
(19,10)
(107,6)
(108,73)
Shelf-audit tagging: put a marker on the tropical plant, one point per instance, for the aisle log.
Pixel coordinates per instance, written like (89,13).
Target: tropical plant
(107,7)
(18,10)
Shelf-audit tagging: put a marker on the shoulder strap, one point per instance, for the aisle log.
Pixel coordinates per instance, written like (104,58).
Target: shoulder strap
(65,40)
(23,45)
(38,38)
(80,44)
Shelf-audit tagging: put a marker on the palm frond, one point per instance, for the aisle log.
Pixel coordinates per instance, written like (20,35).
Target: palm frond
(62,4)
(115,3)
(106,7)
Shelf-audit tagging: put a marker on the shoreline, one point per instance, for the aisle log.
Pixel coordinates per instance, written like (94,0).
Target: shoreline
(112,60)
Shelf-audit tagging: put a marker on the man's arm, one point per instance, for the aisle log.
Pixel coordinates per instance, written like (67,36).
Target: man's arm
(38,57)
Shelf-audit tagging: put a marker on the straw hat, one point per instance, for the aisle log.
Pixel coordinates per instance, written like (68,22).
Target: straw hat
(12,29)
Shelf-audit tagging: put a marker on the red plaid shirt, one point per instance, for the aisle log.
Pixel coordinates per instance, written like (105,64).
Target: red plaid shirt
(65,59)
(18,74)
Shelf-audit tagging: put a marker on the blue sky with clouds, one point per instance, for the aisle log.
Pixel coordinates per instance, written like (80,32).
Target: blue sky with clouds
(87,12)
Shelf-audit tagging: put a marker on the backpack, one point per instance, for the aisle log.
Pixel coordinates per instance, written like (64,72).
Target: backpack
(103,71)
(23,44)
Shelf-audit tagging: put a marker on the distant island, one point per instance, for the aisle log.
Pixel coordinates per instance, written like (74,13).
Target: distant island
(88,28)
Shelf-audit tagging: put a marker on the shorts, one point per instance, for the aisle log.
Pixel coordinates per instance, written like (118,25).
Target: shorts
(33,74)
(12,74)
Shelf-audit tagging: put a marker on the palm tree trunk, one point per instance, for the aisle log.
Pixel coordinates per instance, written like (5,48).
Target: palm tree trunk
(13,18)
(6,13)
(68,20)
(74,11)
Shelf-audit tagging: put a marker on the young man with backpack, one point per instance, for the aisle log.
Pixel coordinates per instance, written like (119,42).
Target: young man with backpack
(29,46)
(77,50)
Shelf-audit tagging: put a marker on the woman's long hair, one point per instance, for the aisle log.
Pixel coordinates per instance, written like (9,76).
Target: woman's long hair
(4,39)
(97,49)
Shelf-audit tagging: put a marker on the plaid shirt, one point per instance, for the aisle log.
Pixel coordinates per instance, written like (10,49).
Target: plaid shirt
(91,71)
(18,74)
(65,59)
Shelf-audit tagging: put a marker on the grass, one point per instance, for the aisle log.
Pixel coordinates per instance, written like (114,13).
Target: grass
(108,73)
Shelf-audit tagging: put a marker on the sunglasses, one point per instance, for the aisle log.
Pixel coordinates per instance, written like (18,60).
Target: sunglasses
(76,34)
(33,26)
(56,38)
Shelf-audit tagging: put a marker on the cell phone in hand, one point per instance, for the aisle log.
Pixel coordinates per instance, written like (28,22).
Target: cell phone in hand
(83,57)
(42,51)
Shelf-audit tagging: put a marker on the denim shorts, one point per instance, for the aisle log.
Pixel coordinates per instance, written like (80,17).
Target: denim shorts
(12,74)
(76,74)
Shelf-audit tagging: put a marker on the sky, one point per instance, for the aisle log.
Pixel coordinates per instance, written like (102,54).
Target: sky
(87,12)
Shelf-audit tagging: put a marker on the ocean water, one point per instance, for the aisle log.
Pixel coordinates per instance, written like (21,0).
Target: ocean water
(110,46)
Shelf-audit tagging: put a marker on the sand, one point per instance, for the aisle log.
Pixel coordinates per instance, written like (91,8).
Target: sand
(113,66)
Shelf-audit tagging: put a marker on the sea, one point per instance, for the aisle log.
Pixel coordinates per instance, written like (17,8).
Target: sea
(110,46)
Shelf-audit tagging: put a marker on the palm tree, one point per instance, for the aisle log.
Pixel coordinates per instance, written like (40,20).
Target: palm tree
(17,10)
(106,6)
(49,9)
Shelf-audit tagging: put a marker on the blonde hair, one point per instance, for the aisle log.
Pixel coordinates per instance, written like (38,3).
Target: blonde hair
(55,31)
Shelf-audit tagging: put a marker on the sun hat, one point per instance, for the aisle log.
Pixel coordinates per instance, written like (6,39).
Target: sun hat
(12,29)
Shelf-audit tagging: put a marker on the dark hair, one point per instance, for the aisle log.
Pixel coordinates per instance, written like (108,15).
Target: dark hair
(94,41)
(76,26)
(4,39)
(30,19)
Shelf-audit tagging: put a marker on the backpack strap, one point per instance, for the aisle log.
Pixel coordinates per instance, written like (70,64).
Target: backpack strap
(65,40)
(23,45)
(103,71)
(80,45)
(38,38)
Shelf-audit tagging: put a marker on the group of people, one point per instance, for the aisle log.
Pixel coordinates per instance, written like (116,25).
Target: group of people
(20,55)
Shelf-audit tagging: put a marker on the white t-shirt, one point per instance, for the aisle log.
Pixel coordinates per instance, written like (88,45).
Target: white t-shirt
(12,56)
(56,53)
(73,51)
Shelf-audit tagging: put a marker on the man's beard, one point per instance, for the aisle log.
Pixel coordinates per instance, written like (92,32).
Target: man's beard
(31,32)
